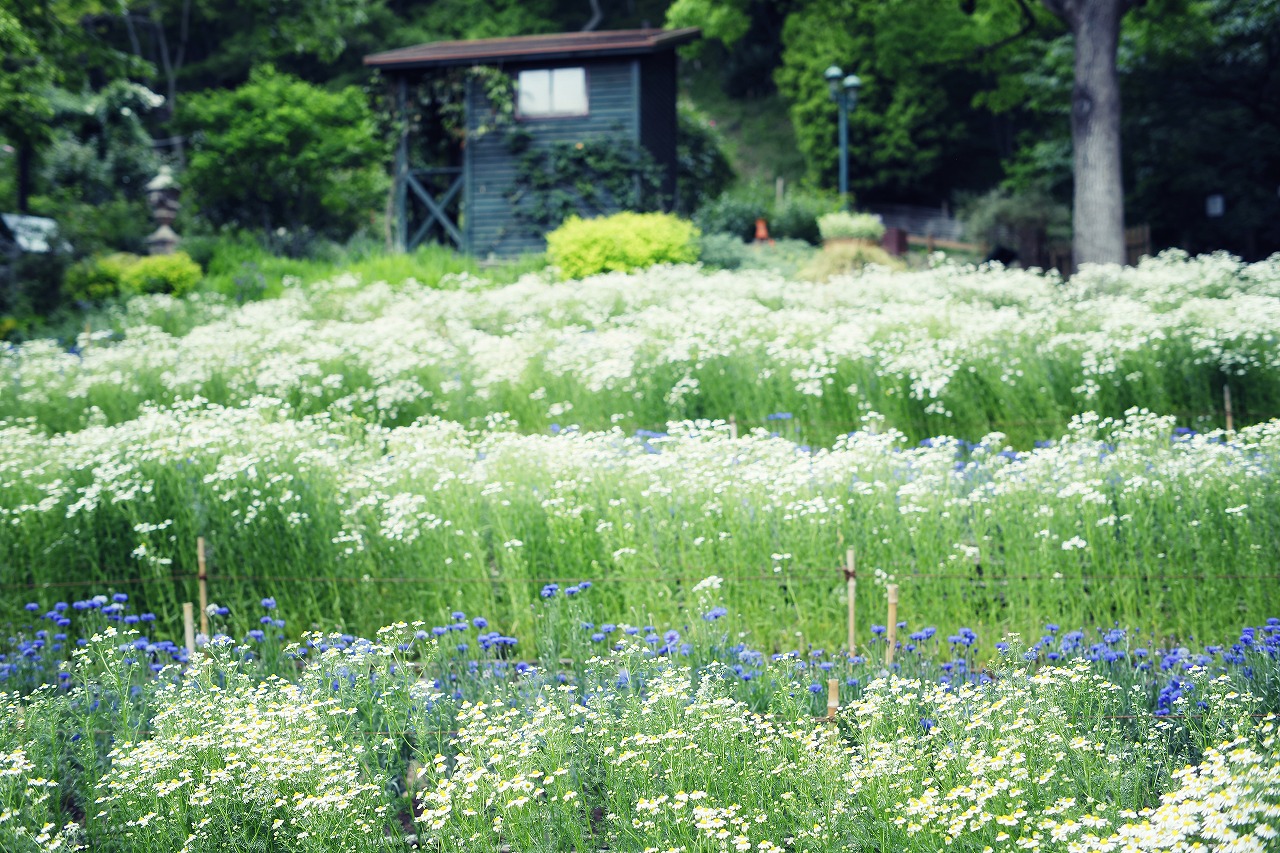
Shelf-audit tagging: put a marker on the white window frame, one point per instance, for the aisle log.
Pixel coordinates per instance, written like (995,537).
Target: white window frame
(568,87)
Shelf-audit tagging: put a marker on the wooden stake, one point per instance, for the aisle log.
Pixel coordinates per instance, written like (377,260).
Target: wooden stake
(833,698)
(189,629)
(203,577)
(892,627)
(1226,404)
(851,577)
(733,428)
(779,190)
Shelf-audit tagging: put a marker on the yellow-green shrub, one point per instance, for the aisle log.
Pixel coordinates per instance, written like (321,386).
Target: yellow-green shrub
(176,274)
(621,243)
(122,274)
(98,278)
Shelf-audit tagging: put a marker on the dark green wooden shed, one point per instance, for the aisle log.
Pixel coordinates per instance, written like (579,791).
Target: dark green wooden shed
(568,87)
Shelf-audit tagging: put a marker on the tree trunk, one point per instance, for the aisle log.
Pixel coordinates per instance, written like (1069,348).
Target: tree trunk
(1098,208)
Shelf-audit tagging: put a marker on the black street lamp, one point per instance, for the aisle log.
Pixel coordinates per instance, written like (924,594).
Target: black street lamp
(845,93)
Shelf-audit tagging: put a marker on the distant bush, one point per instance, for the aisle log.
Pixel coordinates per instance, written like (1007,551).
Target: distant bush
(98,278)
(847,259)
(279,153)
(176,274)
(121,274)
(797,217)
(723,251)
(841,225)
(622,242)
(732,213)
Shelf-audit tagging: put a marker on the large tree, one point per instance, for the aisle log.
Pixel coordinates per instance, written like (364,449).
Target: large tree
(1098,198)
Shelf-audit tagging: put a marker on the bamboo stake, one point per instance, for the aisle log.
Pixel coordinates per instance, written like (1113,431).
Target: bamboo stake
(833,698)
(733,428)
(851,577)
(189,629)
(203,577)
(1226,404)
(892,627)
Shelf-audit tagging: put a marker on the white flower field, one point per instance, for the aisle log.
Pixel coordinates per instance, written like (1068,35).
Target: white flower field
(563,566)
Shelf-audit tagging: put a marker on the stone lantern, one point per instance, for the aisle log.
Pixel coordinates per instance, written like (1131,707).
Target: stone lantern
(162,196)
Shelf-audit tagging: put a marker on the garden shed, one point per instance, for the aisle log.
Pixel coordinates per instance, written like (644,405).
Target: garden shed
(503,136)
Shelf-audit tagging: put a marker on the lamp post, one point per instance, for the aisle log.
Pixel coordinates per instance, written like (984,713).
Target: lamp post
(844,91)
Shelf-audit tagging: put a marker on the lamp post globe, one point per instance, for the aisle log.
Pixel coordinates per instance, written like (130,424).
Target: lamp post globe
(844,91)
(832,75)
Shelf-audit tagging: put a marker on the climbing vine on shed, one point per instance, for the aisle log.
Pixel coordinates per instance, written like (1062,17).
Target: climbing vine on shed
(592,177)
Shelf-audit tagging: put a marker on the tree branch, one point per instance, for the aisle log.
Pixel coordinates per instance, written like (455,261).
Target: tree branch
(596,17)
(1028,24)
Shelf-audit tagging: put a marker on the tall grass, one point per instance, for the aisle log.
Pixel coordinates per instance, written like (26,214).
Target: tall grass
(356,525)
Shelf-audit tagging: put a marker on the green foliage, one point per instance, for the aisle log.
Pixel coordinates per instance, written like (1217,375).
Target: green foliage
(281,153)
(25,78)
(621,243)
(99,278)
(724,21)
(996,217)
(703,170)
(176,274)
(797,217)
(734,213)
(841,224)
(593,177)
(723,251)
(106,277)
(847,259)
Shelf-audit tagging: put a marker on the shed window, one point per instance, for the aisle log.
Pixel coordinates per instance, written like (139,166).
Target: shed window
(553,92)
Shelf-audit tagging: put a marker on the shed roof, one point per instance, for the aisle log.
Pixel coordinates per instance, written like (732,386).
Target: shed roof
(581,45)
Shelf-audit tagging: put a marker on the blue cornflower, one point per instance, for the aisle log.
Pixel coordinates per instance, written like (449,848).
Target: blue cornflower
(571,591)
(459,616)
(815,688)
(255,634)
(715,613)
(597,637)
(550,590)
(671,636)
(33,607)
(480,622)
(119,598)
(269,603)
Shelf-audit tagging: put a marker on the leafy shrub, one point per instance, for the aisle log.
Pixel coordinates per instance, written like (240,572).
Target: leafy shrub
(797,217)
(732,213)
(723,251)
(622,242)
(851,226)
(176,274)
(98,278)
(846,259)
(123,274)
(997,217)
(281,153)
(703,170)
